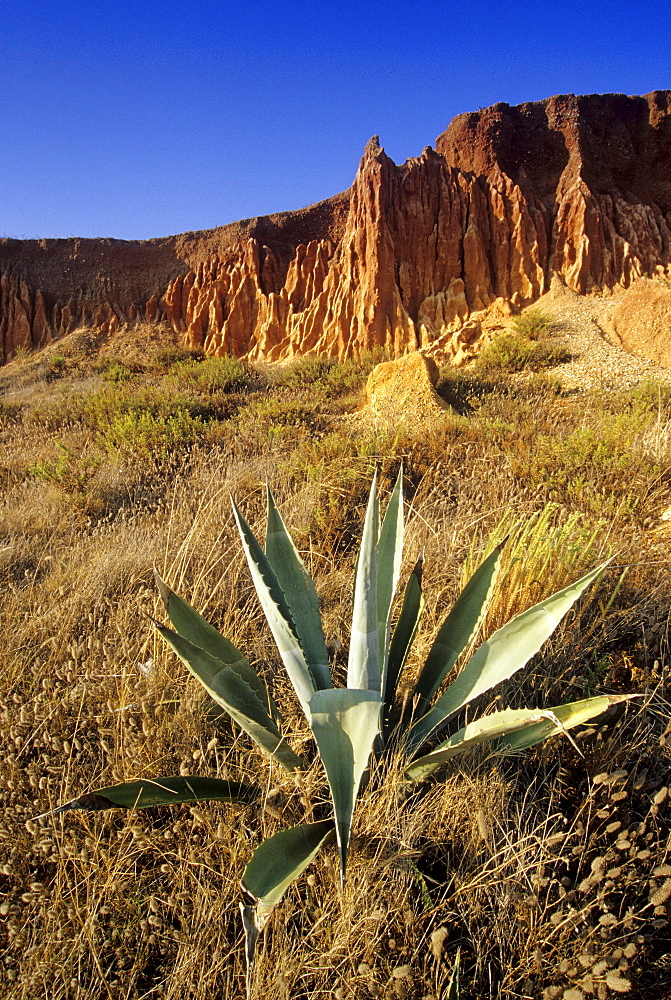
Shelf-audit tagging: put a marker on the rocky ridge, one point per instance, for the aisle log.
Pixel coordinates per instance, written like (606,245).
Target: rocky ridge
(420,255)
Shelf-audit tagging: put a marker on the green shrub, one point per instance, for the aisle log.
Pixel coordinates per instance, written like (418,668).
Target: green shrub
(166,357)
(533,323)
(113,370)
(71,473)
(149,437)
(512,352)
(332,377)
(211,375)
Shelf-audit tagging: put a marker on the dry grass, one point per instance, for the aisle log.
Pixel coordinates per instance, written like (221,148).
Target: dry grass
(549,871)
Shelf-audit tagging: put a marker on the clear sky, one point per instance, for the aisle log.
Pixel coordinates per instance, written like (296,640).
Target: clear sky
(146,118)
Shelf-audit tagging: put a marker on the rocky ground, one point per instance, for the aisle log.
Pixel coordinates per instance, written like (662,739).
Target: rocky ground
(582,325)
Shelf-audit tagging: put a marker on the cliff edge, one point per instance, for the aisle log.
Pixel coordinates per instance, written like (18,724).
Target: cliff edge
(410,257)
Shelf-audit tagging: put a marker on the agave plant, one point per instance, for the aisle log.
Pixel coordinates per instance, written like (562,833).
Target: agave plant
(351,724)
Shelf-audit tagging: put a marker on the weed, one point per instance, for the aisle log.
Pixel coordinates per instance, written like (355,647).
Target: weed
(325,376)
(512,352)
(533,323)
(71,473)
(147,437)
(166,357)
(113,370)
(10,413)
(210,375)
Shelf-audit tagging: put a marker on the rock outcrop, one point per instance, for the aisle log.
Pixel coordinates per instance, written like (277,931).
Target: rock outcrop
(641,321)
(404,390)
(416,256)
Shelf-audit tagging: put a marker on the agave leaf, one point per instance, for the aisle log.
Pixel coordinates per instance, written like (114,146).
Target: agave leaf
(508,650)
(280,859)
(149,792)
(404,633)
(389,555)
(192,626)
(277,613)
(574,713)
(363,665)
(274,865)
(488,728)
(459,628)
(514,729)
(229,687)
(299,592)
(345,723)
(453,991)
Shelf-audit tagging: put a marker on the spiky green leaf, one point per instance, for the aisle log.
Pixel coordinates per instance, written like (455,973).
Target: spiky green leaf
(453,990)
(149,792)
(345,723)
(275,864)
(459,628)
(575,713)
(513,729)
(363,665)
(404,634)
(277,613)
(388,558)
(299,592)
(192,626)
(280,859)
(229,687)
(508,650)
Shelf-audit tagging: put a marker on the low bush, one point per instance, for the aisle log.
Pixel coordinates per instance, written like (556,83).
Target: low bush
(513,352)
(71,474)
(533,323)
(113,370)
(144,436)
(327,376)
(210,375)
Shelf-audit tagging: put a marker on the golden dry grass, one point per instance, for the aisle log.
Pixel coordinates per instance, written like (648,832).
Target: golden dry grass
(549,871)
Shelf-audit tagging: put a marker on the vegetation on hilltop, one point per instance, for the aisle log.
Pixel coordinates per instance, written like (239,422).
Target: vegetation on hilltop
(549,871)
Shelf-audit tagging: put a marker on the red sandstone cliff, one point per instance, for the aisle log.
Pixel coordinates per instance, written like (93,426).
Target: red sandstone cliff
(579,186)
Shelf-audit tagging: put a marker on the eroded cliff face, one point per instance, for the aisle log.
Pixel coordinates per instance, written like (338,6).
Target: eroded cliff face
(412,256)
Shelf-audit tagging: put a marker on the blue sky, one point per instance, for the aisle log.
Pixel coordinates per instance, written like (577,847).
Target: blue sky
(141,119)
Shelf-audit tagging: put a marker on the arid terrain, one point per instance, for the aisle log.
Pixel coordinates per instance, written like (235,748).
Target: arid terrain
(517,278)
(548,870)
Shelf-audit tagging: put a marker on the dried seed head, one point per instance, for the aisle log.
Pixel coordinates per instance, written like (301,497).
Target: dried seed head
(618,983)
(661,895)
(437,941)
(483,826)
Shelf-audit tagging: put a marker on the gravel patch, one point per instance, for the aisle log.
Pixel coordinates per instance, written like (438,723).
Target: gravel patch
(597,362)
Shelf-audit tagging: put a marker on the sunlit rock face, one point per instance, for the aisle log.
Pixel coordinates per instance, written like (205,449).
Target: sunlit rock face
(407,259)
